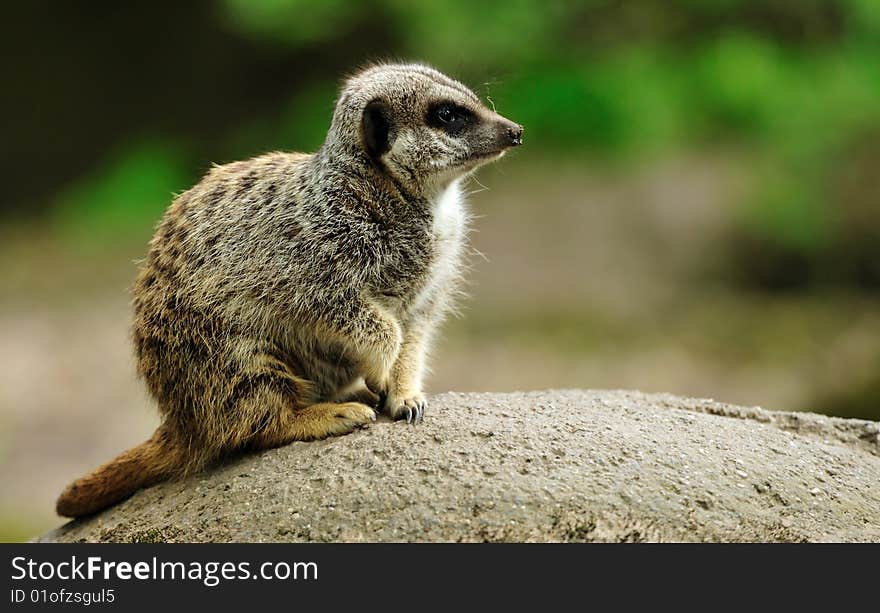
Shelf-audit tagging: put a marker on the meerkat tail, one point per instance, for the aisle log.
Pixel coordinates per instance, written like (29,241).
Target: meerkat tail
(150,462)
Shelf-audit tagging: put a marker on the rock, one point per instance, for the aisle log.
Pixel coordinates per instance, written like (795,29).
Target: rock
(539,466)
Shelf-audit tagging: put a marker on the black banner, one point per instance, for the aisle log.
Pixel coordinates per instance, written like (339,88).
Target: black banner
(42,577)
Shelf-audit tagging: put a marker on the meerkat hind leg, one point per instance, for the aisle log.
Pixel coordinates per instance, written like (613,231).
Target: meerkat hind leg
(312,422)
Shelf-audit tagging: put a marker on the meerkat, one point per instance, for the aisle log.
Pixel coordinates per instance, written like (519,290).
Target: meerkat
(278,285)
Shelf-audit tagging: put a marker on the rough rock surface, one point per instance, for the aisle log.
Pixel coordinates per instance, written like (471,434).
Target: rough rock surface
(540,466)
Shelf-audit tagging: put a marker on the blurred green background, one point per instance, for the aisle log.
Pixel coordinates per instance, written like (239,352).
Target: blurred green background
(696,209)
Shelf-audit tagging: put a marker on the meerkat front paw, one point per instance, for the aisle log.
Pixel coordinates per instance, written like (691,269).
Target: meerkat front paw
(410,407)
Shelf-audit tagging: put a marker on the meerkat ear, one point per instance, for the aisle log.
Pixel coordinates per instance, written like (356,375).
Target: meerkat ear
(376,128)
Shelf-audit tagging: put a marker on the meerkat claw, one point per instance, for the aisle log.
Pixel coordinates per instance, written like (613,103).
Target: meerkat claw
(419,413)
(411,410)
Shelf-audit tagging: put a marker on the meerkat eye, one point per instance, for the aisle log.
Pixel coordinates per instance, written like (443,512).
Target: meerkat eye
(449,117)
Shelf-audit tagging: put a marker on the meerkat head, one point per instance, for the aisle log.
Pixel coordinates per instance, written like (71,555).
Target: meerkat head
(419,126)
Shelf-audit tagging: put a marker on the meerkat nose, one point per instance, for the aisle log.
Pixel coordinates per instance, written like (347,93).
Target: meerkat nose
(514,135)
(509,133)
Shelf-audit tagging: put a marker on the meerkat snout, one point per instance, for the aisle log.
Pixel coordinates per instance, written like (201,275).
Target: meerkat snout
(513,133)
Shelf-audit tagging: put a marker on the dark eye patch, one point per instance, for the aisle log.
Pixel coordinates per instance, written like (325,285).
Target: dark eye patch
(450,117)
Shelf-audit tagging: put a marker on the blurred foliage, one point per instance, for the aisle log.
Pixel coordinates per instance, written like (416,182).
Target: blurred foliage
(795,83)
(294,22)
(123,197)
(860,400)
